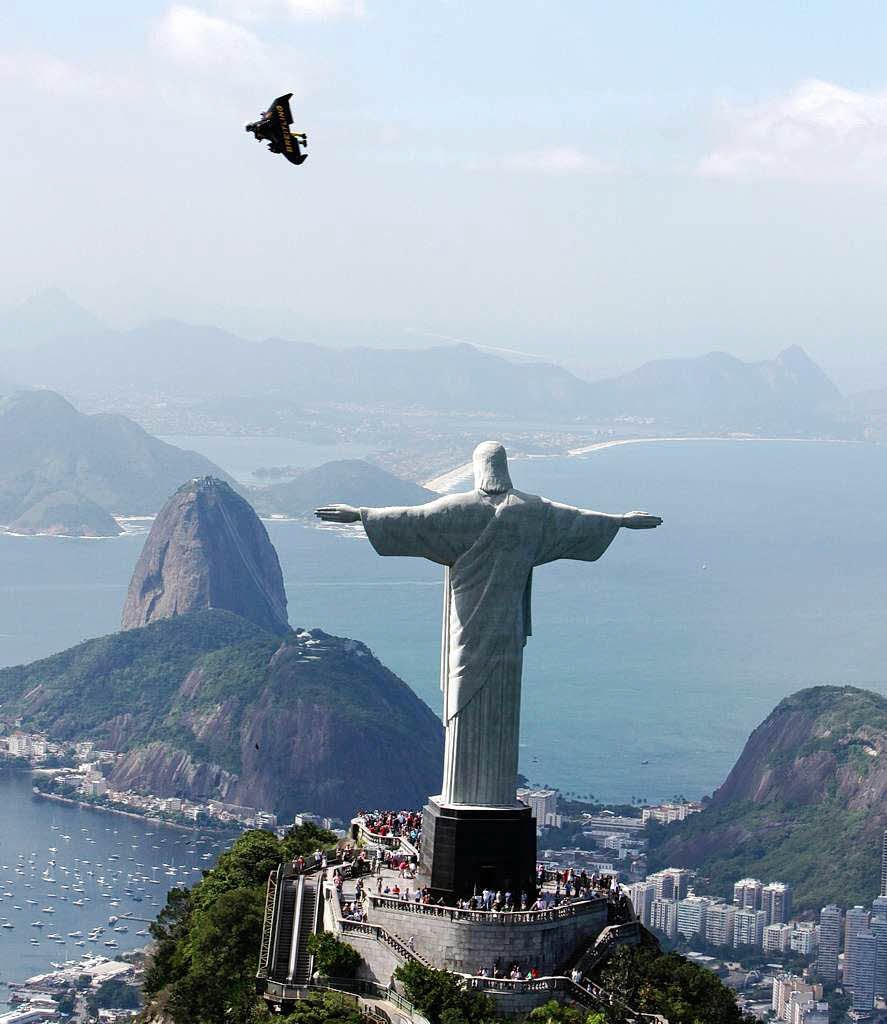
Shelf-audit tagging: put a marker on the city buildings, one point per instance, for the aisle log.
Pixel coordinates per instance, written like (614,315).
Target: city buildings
(642,895)
(719,924)
(692,913)
(776,901)
(543,805)
(671,884)
(803,939)
(790,993)
(856,921)
(865,959)
(884,863)
(878,928)
(668,812)
(748,927)
(664,917)
(830,933)
(747,894)
(777,937)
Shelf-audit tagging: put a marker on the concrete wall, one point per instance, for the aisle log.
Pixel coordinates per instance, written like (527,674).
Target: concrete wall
(465,945)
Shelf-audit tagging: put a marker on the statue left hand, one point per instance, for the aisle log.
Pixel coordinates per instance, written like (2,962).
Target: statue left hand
(338,514)
(640,521)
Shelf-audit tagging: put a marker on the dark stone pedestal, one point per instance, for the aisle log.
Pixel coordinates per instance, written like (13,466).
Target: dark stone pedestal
(469,849)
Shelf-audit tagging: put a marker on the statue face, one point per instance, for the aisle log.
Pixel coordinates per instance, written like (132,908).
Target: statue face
(491,468)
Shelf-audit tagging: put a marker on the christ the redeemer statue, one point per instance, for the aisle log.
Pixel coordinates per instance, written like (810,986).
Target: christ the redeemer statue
(489,539)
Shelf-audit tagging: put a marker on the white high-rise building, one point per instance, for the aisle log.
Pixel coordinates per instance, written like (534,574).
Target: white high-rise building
(692,913)
(788,993)
(747,894)
(776,938)
(866,956)
(884,863)
(802,939)
(776,900)
(664,917)
(856,920)
(542,804)
(748,927)
(878,928)
(830,920)
(719,924)
(642,895)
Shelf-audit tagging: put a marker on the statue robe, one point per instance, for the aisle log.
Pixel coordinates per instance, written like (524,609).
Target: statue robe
(489,544)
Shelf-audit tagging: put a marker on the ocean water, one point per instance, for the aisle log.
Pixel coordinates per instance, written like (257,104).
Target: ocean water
(240,456)
(53,854)
(768,575)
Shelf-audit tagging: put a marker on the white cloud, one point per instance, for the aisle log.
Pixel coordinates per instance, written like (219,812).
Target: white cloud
(202,40)
(48,74)
(817,132)
(307,10)
(557,160)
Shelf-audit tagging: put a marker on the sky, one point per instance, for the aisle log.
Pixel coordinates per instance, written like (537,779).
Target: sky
(595,183)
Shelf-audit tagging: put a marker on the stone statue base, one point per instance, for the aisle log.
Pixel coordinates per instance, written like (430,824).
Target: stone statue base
(468,849)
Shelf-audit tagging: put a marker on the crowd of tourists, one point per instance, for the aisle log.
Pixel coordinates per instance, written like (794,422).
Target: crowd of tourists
(396,824)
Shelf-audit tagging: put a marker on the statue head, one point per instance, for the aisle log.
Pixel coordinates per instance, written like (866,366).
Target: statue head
(491,468)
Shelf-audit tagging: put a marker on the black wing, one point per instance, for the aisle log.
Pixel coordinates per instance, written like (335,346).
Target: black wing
(273,128)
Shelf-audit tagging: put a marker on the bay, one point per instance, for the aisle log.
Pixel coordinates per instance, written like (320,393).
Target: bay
(53,854)
(769,574)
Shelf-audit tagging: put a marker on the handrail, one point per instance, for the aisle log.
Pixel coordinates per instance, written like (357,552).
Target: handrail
(376,931)
(297,927)
(267,926)
(510,917)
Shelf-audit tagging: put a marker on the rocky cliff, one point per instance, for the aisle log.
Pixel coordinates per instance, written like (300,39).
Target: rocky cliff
(208,705)
(804,803)
(207,549)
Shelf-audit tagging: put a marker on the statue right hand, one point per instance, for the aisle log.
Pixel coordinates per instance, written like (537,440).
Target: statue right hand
(338,514)
(640,521)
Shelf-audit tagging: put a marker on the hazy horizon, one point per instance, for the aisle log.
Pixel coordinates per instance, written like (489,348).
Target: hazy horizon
(592,185)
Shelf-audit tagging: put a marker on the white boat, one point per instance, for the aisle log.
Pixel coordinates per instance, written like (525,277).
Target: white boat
(7,924)
(75,935)
(111,943)
(36,924)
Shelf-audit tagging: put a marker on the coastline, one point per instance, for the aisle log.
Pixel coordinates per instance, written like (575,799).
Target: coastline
(447,482)
(126,814)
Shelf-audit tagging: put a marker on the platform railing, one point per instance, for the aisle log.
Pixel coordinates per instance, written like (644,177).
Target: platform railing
(509,917)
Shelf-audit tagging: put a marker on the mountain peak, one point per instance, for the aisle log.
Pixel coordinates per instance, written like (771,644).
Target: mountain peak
(207,549)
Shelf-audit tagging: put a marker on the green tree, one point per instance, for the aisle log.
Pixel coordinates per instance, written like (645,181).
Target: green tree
(442,997)
(224,941)
(333,958)
(331,1008)
(169,961)
(653,982)
(113,994)
(303,840)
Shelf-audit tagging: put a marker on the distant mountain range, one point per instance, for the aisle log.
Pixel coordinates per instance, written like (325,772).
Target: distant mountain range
(53,457)
(268,380)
